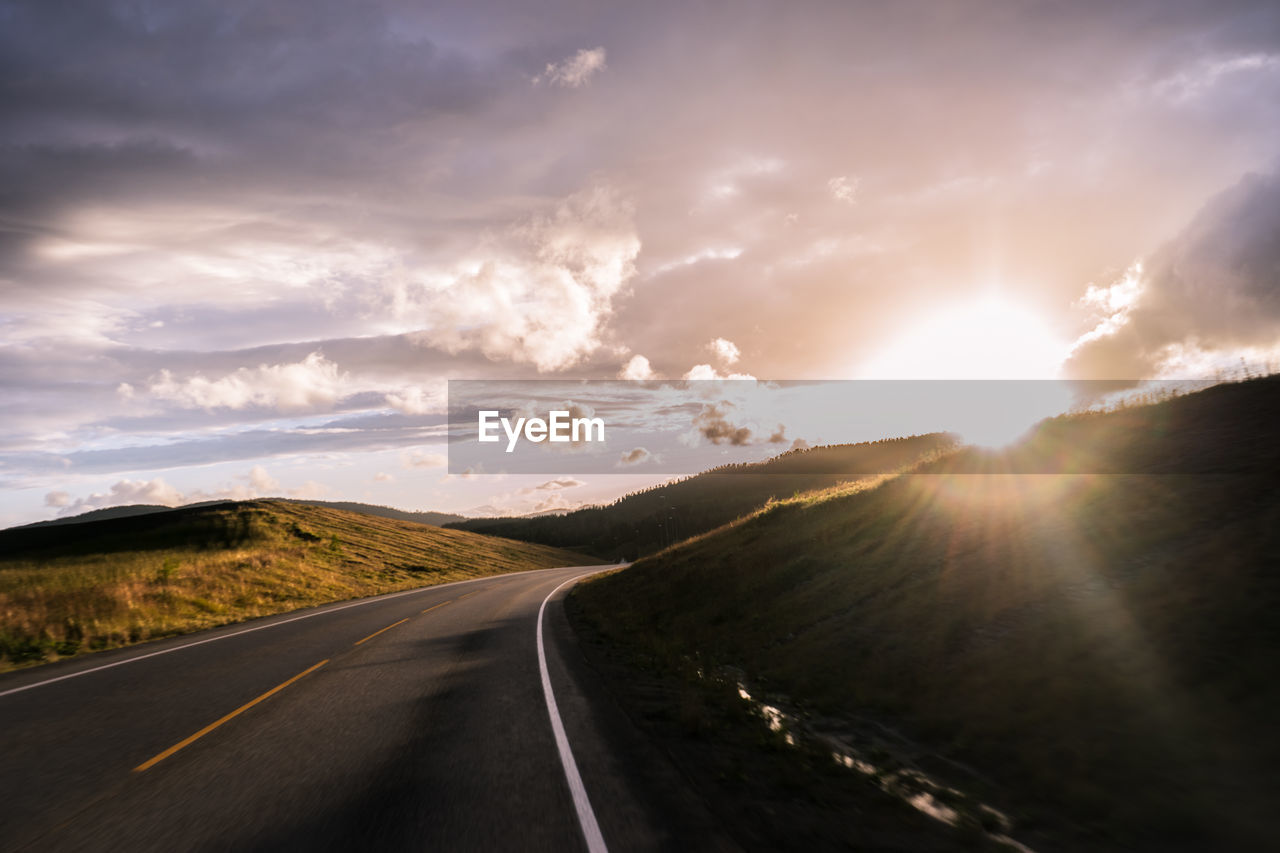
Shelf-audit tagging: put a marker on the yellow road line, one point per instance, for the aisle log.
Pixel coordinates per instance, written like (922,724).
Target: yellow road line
(379,631)
(237,712)
(468,595)
(441,604)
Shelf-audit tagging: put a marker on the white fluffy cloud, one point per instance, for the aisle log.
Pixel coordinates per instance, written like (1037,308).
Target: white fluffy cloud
(575,70)
(725,350)
(727,354)
(637,368)
(261,482)
(706,371)
(257,483)
(539,296)
(312,383)
(126,492)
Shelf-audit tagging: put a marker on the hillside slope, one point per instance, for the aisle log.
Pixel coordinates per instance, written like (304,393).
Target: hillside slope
(643,522)
(118,581)
(104,514)
(1101,648)
(437,519)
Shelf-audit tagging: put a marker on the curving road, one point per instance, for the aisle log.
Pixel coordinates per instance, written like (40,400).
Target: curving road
(416,720)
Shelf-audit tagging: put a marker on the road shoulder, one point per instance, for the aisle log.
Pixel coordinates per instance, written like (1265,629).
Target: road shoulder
(641,799)
(764,794)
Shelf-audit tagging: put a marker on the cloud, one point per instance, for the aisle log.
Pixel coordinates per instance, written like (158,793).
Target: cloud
(1210,290)
(578,411)
(1203,76)
(634,457)
(843,189)
(727,354)
(637,368)
(310,490)
(57,499)
(314,382)
(423,459)
(416,401)
(540,498)
(540,297)
(713,424)
(384,477)
(261,482)
(707,372)
(726,351)
(257,483)
(574,71)
(555,502)
(124,493)
(559,483)
(702,371)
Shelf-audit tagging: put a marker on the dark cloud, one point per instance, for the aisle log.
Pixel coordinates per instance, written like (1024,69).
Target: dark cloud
(1215,286)
(714,425)
(634,456)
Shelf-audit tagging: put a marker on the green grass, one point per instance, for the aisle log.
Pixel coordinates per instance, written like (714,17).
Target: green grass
(1102,647)
(70,589)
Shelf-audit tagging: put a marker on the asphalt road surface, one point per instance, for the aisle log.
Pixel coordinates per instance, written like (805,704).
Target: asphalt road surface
(415,720)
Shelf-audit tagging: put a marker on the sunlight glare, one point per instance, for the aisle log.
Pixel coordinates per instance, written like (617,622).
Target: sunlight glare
(988,339)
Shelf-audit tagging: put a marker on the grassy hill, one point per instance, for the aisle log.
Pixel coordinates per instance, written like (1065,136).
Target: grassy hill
(643,522)
(1099,650)
(103,514)
(438,519)
(125,580)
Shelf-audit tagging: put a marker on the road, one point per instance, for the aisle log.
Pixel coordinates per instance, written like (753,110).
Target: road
(415,720)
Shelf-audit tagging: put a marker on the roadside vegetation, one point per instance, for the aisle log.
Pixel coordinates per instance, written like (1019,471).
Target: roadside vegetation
(1094,654)
(102,584)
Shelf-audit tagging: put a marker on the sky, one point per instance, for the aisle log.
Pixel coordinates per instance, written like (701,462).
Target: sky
(244,245)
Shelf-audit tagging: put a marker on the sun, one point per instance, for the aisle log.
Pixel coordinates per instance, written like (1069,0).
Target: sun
(991,338)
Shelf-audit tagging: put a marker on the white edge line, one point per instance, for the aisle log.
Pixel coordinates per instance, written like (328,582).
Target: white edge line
(586,815)
(228,636)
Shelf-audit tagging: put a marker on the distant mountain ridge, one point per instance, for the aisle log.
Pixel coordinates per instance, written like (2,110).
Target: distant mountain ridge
(433,519)
(646,521)
(99,515)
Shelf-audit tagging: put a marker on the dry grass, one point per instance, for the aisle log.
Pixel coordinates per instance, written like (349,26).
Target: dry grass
(66,590)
